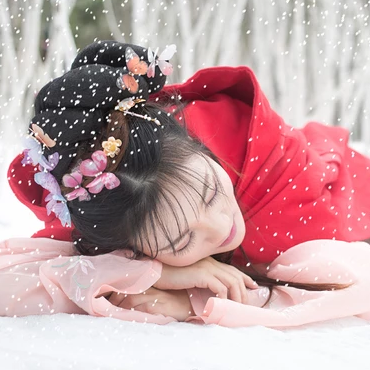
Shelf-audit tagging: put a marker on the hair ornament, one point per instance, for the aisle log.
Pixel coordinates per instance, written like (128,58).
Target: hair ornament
(161,61)
(33,154)
(32,143)
(55,202)
(42,137)
(74,180)
(126,104)
(94,167)
(135,66)
(111,146)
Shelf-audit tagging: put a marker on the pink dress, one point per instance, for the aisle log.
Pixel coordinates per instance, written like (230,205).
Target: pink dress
(43,276)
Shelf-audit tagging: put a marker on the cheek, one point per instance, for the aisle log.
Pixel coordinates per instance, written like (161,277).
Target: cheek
(226,181)
(229,190)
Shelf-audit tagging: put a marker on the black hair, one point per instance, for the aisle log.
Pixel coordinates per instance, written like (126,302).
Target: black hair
(77,111)
(153,163)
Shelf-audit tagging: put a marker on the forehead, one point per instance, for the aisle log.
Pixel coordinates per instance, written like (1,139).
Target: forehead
(198,173)
(182,200)
(190,188)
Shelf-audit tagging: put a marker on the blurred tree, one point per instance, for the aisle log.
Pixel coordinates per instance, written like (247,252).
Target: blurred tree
(88,22)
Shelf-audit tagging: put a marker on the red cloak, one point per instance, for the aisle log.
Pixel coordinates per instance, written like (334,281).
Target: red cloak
(295,185)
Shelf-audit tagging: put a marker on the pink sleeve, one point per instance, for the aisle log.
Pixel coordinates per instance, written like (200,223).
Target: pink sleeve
(318,261)
(43,276)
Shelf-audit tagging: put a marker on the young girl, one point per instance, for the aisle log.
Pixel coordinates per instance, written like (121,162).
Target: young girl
(150,202)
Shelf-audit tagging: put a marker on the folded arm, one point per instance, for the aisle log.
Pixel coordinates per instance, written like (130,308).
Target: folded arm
(43,276)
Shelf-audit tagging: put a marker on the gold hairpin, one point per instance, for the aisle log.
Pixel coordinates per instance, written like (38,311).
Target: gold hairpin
(126,104)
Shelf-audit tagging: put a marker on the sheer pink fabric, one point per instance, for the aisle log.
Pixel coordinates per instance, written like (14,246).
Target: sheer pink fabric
(43,276)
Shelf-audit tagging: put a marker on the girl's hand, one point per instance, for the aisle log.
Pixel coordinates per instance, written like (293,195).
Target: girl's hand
(173,303)
(224,280)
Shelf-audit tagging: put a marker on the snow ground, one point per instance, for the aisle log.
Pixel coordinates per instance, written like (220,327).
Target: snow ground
(84,342)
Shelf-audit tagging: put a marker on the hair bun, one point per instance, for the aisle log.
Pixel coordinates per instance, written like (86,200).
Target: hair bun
(112,53)
(72,109)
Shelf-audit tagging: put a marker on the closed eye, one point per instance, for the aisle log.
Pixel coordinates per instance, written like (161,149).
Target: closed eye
(187,247)
(190,243)
(214,198)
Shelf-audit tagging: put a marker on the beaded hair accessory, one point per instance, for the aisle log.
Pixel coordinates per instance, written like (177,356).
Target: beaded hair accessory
(126,104)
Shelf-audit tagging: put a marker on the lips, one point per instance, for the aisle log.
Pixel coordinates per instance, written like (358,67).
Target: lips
(231,236)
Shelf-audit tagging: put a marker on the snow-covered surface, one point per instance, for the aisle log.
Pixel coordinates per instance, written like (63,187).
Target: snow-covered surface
(84,342)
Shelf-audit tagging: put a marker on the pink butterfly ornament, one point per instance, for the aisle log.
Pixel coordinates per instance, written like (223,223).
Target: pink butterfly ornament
(161,61)
(94,167)
(74,180)
(107,179)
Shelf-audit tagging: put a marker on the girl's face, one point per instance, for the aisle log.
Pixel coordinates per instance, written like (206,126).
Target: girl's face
(214,227)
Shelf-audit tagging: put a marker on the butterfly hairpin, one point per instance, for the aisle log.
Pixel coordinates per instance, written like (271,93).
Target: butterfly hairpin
(74,180)
(55,201)
(135,66)
(94,167)
(32,152)
(161,61)
(41,136)
(32,143)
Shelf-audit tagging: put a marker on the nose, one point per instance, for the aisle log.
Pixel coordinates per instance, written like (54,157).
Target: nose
(216,226)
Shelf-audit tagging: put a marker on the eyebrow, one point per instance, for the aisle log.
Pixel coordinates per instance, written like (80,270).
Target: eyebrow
(181,236)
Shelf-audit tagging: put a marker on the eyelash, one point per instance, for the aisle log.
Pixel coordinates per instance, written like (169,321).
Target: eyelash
(187,247)
(214,198)
(190,243)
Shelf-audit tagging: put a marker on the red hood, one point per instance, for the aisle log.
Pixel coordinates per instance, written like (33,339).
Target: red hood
(296,185)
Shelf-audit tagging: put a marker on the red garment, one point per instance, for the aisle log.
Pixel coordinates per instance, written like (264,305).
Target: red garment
(296,184)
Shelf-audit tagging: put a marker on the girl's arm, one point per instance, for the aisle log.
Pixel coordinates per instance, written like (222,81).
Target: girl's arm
(313,262)
(42,276)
